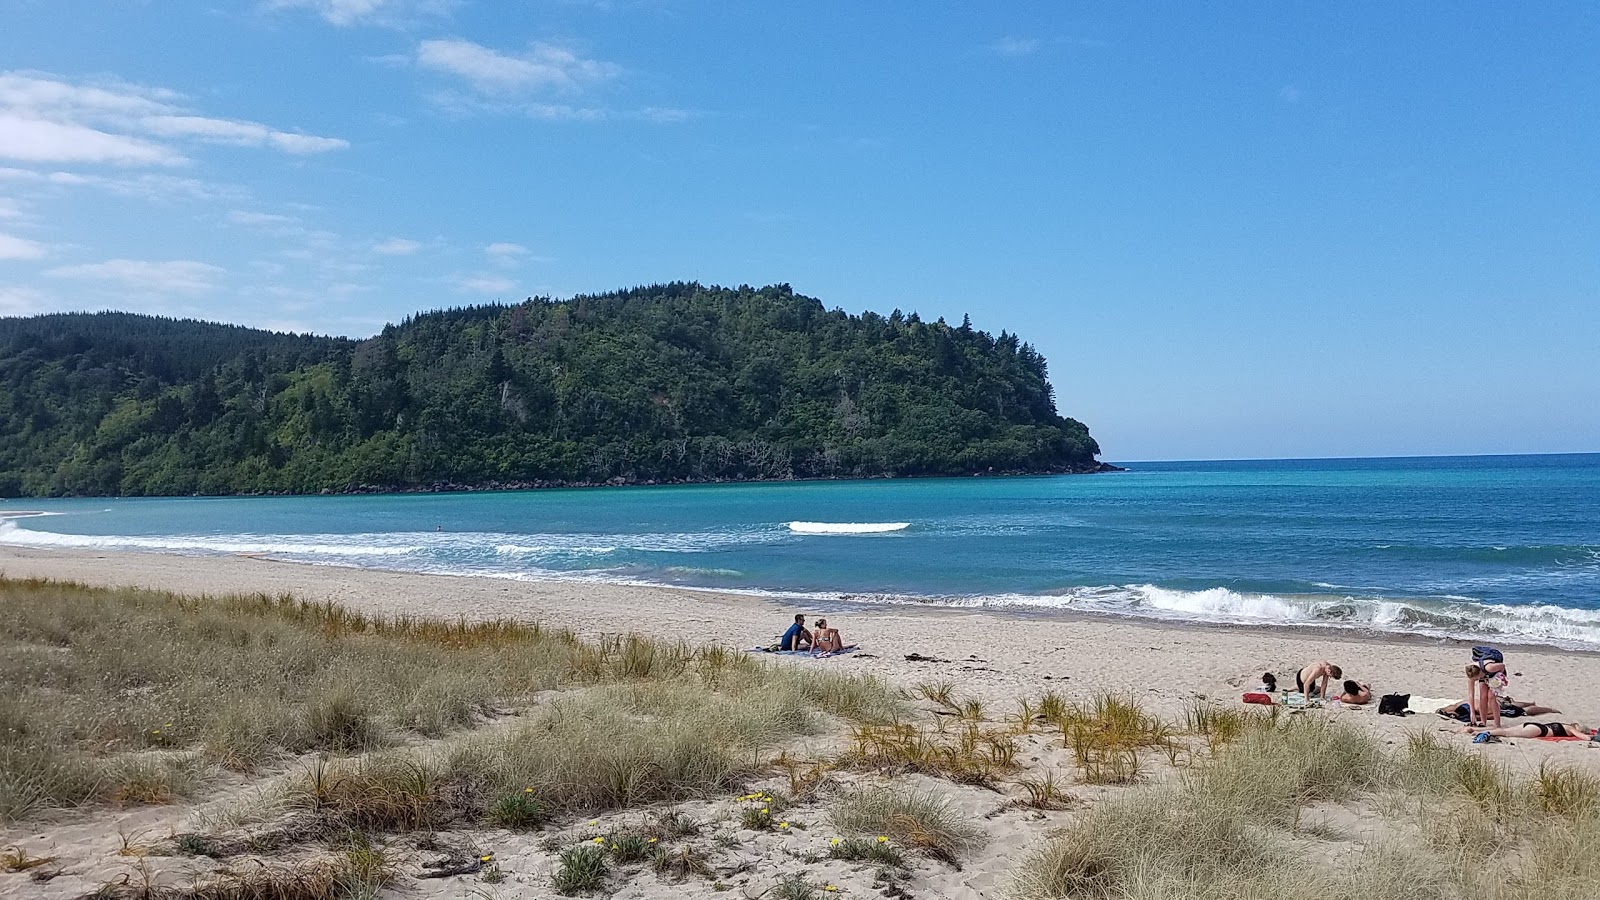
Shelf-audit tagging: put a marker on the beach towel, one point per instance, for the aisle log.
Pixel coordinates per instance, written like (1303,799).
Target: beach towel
(1564,737)
(1257,697)
(775,652)
(1420,705)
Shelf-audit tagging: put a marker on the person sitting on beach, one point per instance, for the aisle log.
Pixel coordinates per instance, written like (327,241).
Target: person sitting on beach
(1356,693)
(1305,680)
(827,639)
(1536,730)
(798,637)
(1269,682)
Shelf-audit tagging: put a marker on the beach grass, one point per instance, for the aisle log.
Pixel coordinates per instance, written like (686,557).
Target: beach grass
(137,696)
(921,820)
(1445,824)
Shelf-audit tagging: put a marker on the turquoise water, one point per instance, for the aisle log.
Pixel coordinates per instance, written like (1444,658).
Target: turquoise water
(1504,547)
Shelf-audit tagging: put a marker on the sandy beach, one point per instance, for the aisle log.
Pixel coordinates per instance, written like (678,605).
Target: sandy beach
(994,656)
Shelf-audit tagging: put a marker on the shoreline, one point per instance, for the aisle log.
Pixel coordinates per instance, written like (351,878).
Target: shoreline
(997,655)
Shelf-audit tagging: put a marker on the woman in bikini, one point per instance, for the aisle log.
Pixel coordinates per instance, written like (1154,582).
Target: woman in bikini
(1537,730)
(827,639)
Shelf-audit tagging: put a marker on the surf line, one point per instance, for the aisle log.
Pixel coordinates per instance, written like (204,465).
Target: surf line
(847,527)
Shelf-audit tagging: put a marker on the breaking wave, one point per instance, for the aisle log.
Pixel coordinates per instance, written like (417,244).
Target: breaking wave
(847,527)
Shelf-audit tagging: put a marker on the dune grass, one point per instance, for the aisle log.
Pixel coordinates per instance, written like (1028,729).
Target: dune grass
(131,696)
(1452,826)
(917,819)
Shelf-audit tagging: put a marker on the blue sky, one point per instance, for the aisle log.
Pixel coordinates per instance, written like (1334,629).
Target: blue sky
(1235,230)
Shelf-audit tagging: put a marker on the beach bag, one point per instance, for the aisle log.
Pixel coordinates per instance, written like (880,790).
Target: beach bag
(1484,654)
(1508,711)
(1258,697)
(1393,704)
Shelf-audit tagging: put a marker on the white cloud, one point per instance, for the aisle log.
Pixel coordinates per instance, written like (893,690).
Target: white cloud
(44,119)
(397,247)
(39,140)
(17,300)
(9,209)
(1014,47)
(179,276)
(148,186)
(542,67)
(257,219)
(505,250)
(368,12)
(486,284)
(13,247)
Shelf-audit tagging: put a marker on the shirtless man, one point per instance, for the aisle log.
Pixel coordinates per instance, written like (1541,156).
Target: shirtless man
(1305,680)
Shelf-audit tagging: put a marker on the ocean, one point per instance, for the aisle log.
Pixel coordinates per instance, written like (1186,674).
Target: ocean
(1500,548)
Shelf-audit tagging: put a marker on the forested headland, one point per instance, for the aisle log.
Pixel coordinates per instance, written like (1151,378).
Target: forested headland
(675,382)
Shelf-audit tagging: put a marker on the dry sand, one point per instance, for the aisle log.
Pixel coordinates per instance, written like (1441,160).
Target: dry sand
(996,657)
(992,655)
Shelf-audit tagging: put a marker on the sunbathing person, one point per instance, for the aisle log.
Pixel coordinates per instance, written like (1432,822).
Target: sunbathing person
(798,637)
(828,640)
(1355,694)
(1537,730)
(1305,680)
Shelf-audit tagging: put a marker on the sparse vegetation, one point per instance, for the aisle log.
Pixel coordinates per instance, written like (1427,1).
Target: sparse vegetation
(920,820)
(132,696)
(1455,826)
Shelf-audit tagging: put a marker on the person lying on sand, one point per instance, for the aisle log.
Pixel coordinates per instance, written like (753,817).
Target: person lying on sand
(798,637)
(1536,730)
(1305,680)
(1356,693)
(1462,710)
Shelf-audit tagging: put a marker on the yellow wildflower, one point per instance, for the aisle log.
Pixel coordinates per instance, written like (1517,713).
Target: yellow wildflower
(882,839)
(486,857)
(834,842)
(599,840)
(652,840)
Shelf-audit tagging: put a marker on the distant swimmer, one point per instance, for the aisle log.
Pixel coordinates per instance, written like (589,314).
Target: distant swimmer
(438,528)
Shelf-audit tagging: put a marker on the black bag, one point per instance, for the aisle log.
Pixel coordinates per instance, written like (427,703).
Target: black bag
(1393,704)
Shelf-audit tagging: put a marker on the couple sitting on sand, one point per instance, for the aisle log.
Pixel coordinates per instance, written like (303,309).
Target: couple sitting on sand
(1318,678)
(823,640)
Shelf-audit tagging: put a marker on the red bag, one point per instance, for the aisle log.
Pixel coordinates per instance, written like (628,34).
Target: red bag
(1258,697)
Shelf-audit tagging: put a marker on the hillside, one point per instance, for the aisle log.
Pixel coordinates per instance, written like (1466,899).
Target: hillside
(677,382)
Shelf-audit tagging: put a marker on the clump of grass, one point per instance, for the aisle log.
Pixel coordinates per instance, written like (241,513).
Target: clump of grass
(920,820)
(793,887)
(1045,793)
(1220,725)
(1566,791)
(860,849)
(393,792)
(967,755)
(519,811)
(679,864)
(1273,772)
(580,870)
(15,859)
(1106,738)
(631,848)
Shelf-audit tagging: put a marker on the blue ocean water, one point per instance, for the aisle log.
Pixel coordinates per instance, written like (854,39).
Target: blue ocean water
(1500,547)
